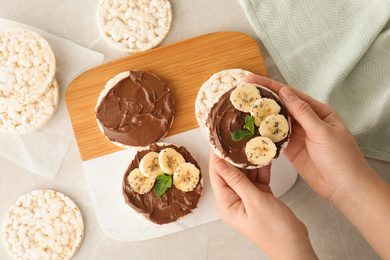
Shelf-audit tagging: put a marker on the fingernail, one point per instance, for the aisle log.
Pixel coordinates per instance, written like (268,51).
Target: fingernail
(220,166)
(286,94)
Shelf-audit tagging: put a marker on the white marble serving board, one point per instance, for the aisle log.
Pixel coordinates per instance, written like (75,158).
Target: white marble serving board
(119,221)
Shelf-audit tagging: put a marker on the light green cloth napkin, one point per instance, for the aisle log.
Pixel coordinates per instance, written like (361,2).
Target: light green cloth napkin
(337,51)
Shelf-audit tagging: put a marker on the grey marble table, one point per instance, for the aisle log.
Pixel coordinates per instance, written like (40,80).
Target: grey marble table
(332,235)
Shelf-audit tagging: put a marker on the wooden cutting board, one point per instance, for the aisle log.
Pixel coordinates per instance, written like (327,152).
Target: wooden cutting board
(184,66)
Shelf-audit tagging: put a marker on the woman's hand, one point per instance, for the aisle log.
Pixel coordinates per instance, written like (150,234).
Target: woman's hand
(321,147)
(325,154)
(245,201)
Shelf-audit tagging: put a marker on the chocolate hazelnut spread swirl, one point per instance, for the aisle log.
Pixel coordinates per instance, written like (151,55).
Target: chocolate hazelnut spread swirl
(170,206)
(137,111)
(223,119)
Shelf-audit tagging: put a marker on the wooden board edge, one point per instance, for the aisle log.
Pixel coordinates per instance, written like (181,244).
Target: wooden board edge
(74,83)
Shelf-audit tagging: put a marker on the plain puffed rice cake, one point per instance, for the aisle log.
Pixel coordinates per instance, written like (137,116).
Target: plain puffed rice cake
(25,118)
(43,224)
(213,89)
(134,25)
(27,66)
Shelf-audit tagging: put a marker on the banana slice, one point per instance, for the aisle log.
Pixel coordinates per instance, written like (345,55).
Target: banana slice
(139,182)
(186,177)
(275,127)
(262,108)
(244,96)
(260,150)
(169,160)
(149,165)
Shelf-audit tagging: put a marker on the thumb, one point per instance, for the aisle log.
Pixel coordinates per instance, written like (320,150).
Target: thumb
(300,110)
(233,177)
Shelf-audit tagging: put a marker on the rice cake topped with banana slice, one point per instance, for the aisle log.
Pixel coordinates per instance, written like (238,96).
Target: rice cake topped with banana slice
(248,126)
(213,88)
(135,109)
(163,183)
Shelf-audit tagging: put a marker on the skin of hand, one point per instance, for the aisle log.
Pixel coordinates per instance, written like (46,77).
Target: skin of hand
(244,200)
(325,154)
(321,147)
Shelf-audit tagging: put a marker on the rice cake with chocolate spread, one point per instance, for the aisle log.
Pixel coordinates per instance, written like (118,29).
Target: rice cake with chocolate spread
(213,88)
(135,109)
(170,206)
(223,119)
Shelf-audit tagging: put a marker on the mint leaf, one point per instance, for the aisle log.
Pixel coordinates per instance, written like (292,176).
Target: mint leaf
(250,124)
(163,177)
(241,134)
(163,182)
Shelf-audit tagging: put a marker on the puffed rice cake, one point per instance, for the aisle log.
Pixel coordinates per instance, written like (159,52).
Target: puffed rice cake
(210,93)
(213,88)
(43,224)
(109,85)
(25,118)
(27,66)
(134,26)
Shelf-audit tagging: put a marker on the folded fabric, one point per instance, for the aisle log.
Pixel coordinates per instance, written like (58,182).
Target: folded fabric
(337,51)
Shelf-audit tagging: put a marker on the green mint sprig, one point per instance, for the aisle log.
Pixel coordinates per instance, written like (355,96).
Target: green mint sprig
(242,134)
(163,182)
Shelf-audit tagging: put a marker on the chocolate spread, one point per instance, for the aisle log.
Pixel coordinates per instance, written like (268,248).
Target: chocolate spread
(170,206)
(137,111)
(224,119)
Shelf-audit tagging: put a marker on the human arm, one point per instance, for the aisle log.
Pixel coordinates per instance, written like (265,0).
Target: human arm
(244,200)
(325,154)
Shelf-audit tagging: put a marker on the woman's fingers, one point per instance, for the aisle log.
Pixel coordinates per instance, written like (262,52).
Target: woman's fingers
(224,174)
(321,109)
(264,175)
(266,82)
(301,111)
(264,188)
(223,193)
